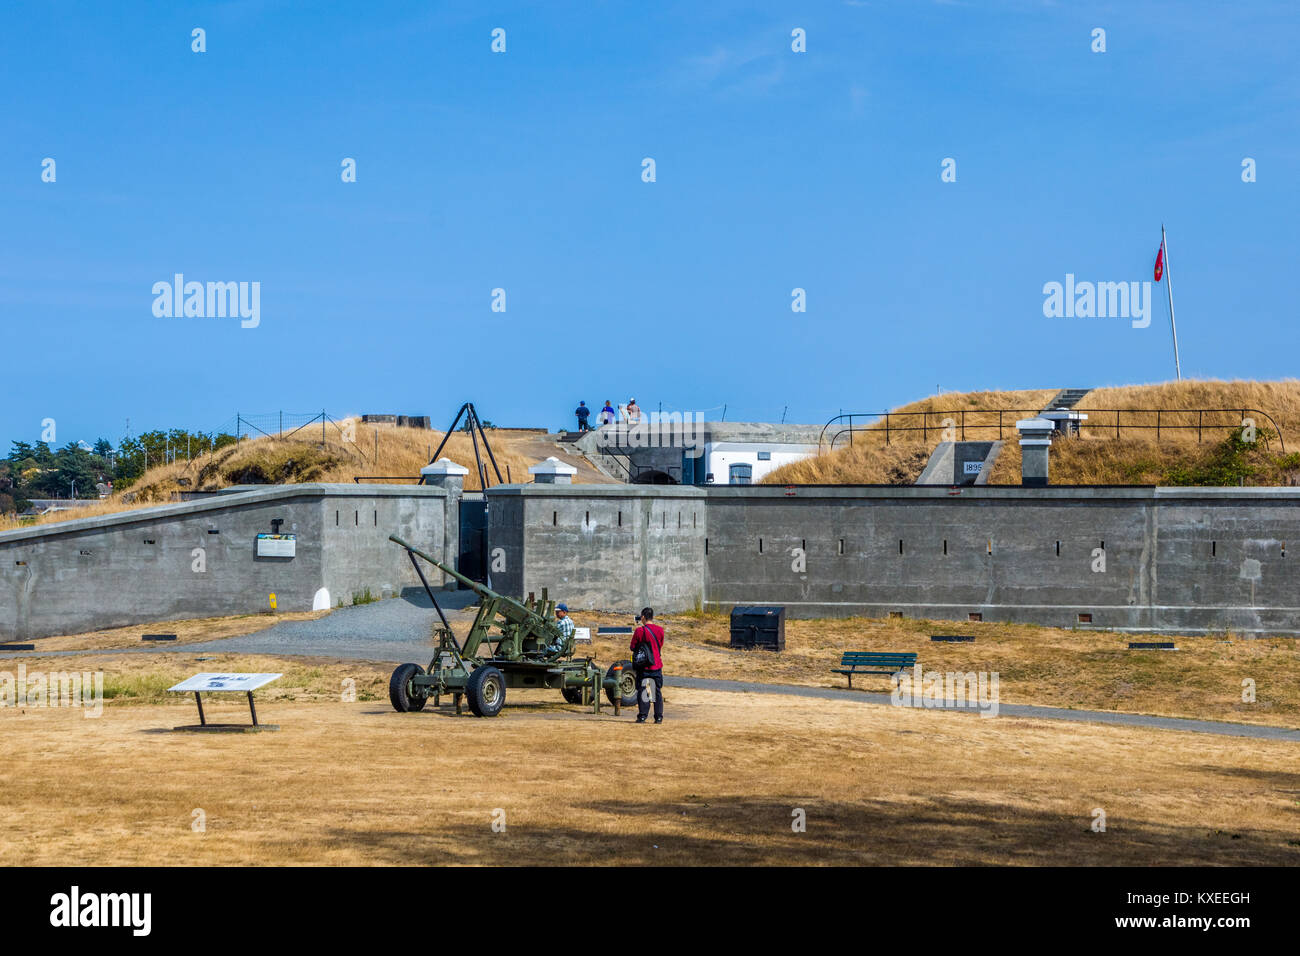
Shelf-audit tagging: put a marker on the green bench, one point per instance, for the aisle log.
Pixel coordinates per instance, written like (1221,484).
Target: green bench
(873,662)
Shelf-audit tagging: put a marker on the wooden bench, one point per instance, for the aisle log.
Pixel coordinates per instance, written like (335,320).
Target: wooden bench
(873,662)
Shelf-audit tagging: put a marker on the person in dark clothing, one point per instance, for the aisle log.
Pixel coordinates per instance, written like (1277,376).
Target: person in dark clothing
(653,635)
(583,412)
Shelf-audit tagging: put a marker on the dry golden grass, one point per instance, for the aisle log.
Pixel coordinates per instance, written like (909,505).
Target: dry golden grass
(870,460)
(1084,670)
(1280,400)
(864,463)
(1097,457)
(718,783)
(303,458)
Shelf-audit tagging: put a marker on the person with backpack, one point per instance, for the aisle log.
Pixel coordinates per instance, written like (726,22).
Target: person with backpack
(648,663)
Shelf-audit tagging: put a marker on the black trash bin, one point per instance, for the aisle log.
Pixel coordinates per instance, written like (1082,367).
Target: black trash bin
(758,626)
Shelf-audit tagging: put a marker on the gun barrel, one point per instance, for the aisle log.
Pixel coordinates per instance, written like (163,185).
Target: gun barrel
(469,583)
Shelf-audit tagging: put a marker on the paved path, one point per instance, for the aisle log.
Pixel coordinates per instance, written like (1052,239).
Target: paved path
(400,630)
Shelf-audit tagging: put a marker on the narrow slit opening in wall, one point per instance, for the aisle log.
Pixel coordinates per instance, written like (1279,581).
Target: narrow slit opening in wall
(356,518)
(693,523)
(376,517)
(586,521)
(1058,549)
(1085,618)
(760,545)
(803,545)
(555,518)
(990,546)
(620,519)
(679,521)
(1213,546)
(664,523)
(841,545)
(706,545)
(900,545)
(336,519)
(945,545)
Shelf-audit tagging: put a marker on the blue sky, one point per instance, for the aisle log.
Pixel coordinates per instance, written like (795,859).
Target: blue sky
(522,171)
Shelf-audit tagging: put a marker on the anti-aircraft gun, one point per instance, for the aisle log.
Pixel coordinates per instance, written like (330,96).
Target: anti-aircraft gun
(510,644)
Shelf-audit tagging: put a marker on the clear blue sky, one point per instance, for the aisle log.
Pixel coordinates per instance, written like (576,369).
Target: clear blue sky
(522,170)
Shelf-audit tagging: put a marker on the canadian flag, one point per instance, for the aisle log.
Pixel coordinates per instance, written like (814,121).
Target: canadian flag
(1160,262)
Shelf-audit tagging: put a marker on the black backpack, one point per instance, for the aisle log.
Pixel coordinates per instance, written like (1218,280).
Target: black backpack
(643,658)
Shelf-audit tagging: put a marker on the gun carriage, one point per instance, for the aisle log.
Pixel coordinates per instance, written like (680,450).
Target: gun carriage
(510,644)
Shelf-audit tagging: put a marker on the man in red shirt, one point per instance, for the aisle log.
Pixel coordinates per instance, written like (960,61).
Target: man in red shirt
(652,635)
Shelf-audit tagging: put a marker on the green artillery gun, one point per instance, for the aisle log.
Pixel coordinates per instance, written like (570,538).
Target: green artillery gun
(510,644)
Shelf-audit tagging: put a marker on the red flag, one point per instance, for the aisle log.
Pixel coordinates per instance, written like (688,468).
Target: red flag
(1160,262)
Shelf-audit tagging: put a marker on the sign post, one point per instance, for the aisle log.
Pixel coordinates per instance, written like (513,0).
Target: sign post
(225,683)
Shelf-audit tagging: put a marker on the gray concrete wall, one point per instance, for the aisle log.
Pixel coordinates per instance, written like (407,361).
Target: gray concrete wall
(138,566)
(616,547)
(1177,560)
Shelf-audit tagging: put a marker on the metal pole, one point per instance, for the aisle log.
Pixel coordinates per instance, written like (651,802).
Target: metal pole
(1169,288)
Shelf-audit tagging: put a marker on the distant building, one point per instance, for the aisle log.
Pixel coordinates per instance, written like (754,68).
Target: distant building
(667,451)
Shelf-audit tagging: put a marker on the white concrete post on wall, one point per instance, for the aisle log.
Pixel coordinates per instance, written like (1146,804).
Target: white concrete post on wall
(552,472)
(1035,440)
(445,473)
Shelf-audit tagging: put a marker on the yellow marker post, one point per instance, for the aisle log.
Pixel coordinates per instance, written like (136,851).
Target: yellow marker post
(272,602)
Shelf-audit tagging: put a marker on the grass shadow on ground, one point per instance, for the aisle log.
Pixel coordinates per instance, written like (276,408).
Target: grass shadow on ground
(747,830)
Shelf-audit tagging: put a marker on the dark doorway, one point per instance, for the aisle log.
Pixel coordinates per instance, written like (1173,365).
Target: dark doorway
(472,559)
(652,476)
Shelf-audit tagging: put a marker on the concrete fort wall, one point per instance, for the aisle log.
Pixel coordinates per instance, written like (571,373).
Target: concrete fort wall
(618,547)
(138,566)
(1185,560)
(1179,560)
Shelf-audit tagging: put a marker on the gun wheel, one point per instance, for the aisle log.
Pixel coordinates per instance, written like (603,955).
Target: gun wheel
(400,691)
(486,690)
(625,696)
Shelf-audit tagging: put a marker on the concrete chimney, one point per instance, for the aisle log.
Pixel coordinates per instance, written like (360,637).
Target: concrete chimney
(1035,440)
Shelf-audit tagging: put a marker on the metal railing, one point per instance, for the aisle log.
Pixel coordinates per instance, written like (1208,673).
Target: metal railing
(975,424)
(288,426)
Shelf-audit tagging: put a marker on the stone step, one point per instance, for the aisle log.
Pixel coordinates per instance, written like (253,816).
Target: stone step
(1067,398)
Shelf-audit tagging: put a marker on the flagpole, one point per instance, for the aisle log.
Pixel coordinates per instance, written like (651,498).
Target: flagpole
(1169,287)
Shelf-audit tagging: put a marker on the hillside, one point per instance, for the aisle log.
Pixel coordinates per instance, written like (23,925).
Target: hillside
(379,451)
(1137,456)
(912,438)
